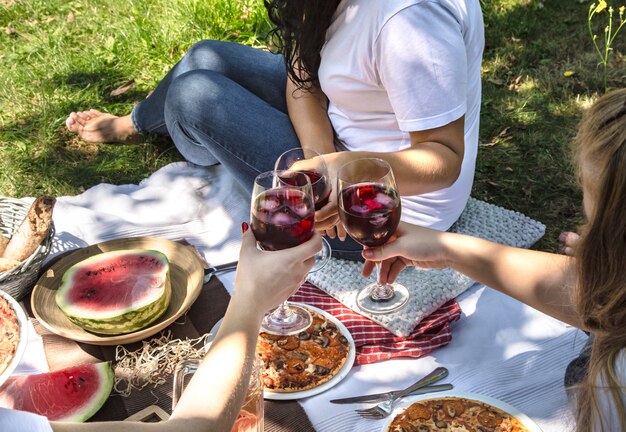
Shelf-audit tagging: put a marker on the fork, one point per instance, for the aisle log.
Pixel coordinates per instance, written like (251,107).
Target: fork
(383,409)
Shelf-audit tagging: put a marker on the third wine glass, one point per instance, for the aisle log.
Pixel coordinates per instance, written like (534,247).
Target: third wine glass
(369,208)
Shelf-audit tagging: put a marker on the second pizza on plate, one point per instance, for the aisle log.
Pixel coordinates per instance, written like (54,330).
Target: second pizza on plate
(303,361)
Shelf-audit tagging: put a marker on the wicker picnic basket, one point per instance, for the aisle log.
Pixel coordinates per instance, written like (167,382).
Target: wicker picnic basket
(19,280)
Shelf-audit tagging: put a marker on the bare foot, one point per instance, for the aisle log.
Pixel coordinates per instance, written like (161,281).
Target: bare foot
(99,127)
(568,242)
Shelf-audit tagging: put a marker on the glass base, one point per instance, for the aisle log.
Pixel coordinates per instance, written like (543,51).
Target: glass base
(286,319)
(369,302)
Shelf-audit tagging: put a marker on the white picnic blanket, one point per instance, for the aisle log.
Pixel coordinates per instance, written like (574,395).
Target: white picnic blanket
(500,348)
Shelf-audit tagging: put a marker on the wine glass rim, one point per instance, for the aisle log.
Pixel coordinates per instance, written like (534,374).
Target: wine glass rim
(276,173)
(301,148)
(382,161)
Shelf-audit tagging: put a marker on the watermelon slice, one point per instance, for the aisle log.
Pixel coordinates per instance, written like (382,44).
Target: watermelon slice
(72,394)
(116,292)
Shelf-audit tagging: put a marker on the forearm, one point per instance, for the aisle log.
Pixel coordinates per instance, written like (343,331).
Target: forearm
(416,170)
(309,117)
(214,397)
(542,280)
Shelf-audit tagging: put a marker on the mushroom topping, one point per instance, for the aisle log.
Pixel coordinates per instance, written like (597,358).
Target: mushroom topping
(322,340)
(294,366)
(489,419)
(304,335)
(321,370)
(288,343)
(423,428)
(343,340)
(298,355)
(278,364)
(441,424)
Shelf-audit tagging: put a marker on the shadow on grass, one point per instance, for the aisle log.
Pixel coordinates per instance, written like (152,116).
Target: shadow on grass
(529,115)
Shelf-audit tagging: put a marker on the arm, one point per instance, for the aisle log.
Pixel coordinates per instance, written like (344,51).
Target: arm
(308,115)
(432,162)
(542,280)
(217,390)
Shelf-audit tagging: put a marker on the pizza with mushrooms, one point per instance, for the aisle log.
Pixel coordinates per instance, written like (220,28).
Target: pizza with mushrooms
(9,334)
(303,361)
(454,414)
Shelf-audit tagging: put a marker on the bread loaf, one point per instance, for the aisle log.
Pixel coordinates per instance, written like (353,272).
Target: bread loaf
(32,231)
(7,264)
(3,243)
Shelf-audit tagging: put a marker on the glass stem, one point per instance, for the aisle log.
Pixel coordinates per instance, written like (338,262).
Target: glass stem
(282,312)
(381,292)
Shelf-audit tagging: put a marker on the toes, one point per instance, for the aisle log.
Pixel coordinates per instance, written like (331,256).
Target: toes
(72,122)
(84,115)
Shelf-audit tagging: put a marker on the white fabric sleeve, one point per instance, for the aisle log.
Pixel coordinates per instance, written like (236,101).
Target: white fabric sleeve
(608,413)
(421,61)
(20,421)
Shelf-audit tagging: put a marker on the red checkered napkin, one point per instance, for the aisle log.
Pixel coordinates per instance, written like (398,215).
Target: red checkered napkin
(375,343)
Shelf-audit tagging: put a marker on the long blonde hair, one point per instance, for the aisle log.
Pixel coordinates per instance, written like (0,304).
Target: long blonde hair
(600,296)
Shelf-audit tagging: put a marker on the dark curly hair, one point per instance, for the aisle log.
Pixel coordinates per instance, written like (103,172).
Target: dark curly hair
(299,34)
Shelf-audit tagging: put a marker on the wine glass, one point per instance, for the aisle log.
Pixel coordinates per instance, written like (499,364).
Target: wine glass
(282,216)
(311,163)
(369,208)
(316,171)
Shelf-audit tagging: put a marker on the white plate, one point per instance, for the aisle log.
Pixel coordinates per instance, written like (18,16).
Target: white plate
(526,421)
(22,320)
(267,394)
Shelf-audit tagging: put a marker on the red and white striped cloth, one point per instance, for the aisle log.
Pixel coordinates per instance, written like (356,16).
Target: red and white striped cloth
(375,343)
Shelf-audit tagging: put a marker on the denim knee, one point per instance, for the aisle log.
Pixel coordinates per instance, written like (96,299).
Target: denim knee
(208,54)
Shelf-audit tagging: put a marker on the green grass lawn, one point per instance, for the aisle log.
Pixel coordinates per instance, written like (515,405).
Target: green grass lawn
(62,56)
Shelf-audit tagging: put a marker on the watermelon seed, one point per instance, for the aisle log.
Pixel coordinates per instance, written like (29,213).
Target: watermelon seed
(89,294)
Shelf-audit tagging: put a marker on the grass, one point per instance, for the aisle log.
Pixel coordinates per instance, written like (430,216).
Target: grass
(59,56)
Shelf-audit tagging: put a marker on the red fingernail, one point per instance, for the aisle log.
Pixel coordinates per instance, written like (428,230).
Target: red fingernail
(244,227)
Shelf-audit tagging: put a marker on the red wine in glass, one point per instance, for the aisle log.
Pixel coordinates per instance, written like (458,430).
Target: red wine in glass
(369,209)
(371,212)
(282,218)
(321,188)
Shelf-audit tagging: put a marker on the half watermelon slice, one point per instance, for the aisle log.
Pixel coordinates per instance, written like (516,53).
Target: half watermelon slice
(116,292)
(73,394)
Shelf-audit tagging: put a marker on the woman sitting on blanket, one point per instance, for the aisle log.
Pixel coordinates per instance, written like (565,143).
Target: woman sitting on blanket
(212,400)
(395,80)
(587,290)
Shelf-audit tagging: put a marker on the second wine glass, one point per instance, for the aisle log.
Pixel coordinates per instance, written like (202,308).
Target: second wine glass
(282,216)
(369,209)
(312,164)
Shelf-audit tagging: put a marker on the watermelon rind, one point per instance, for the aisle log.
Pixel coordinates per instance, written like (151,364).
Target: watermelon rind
(58,395)
(133,317)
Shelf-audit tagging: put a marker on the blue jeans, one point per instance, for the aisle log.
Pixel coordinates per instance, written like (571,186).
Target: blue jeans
(225,103)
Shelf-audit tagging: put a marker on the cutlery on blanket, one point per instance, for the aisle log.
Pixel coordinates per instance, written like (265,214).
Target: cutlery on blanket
(209,272)
(379,397)
(383,409)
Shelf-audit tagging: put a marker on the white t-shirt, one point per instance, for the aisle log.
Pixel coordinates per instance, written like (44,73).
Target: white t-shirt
(607,406)
(20,421)
(390,67)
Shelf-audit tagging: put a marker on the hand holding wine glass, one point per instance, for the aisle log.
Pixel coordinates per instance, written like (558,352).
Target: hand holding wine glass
(313,165)
(369,208)
(282,215)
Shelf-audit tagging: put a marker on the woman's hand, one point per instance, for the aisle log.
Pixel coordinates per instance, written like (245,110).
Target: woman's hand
(411,246)
(265,279)
(327,218)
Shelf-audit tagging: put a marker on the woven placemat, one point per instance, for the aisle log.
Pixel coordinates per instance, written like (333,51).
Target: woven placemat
(429,289)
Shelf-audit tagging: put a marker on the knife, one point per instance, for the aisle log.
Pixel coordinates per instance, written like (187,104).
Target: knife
(379,397)
(209,272)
